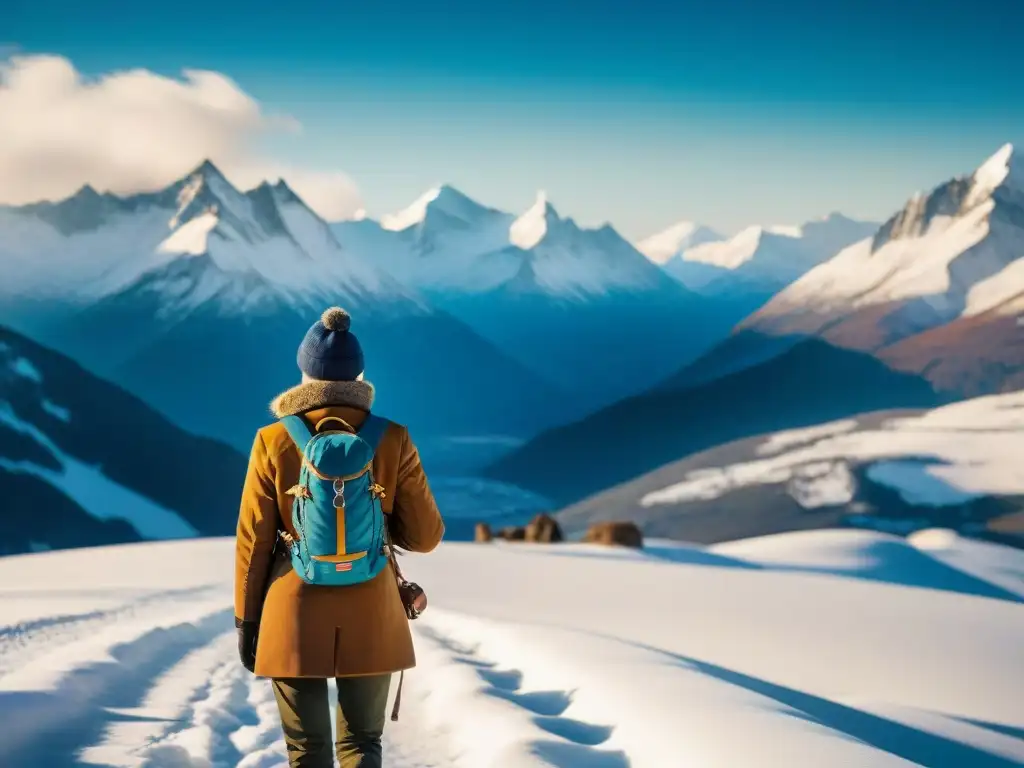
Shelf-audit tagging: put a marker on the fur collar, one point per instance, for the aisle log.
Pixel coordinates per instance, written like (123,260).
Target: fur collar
(323,394)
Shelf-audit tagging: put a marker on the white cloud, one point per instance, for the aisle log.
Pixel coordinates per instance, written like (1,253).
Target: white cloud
(136,130)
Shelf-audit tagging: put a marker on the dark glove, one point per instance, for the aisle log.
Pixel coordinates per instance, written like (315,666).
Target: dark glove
(248,632)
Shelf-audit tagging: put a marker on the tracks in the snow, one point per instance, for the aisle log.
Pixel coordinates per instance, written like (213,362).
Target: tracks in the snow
(575,743)
(22,642)
(212,726)
(155,683)
(91,671)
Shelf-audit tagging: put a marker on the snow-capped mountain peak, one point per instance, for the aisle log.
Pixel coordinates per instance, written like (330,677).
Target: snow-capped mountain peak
(776,249)
(207,180)
(669,243)
(206,190)
(730,254)
(252,215)
(186,198)
(999,180)
(443,202)
(786,230)
(562,259)
(413,214)
(533,225)
(761,260)
(199,241)
(1003,169)
(836,218)
(466,249)
(953,252)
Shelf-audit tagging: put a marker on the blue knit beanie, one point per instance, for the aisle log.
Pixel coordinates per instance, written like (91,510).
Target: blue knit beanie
(330,352)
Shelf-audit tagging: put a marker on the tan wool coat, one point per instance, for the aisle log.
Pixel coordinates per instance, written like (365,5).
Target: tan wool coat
(318,631)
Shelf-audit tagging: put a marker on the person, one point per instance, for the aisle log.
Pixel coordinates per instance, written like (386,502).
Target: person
(300,635)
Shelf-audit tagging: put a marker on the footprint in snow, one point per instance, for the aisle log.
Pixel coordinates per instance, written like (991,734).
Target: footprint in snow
(578,742)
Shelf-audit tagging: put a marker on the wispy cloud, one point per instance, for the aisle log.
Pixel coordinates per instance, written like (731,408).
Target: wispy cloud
(136,130)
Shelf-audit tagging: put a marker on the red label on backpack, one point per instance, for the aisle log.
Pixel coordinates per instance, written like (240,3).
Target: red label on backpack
(343,567)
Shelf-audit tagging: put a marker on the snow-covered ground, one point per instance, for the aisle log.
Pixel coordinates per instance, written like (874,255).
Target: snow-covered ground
(944,457)
(827,648)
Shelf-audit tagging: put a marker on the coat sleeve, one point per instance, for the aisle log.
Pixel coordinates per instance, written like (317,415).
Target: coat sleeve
(258,523)
(415,523)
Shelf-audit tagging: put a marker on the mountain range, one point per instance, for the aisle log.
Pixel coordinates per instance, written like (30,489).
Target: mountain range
(741,273)
(509,323)
(196,297)
(588,310)
(923,312)
(529,329)
(475,321)
(582,307)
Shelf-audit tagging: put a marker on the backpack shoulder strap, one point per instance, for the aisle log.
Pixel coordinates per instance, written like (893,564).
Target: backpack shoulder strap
(373,429)
(298,431)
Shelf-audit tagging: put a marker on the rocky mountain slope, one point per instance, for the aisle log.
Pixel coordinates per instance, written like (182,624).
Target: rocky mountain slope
(83,462)
(894,471)
(939,290)
(811,382)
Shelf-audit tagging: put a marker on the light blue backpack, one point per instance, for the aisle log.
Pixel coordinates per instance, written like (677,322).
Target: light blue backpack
(337,514)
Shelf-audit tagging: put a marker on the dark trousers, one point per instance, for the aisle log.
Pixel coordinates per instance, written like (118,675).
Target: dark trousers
(306,720)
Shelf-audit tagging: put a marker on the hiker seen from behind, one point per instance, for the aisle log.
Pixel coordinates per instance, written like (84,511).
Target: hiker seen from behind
(331,489)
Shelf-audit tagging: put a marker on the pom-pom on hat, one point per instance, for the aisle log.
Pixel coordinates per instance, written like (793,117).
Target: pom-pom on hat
(330,351)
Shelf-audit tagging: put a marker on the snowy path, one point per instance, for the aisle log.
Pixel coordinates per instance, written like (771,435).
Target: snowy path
(803,651)
(132,662)
(152,682)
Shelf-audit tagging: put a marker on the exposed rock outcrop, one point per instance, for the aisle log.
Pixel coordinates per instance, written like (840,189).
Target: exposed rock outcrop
(544,529)
(622,534)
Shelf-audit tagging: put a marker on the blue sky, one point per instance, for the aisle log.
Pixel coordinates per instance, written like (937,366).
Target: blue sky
(638,113)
